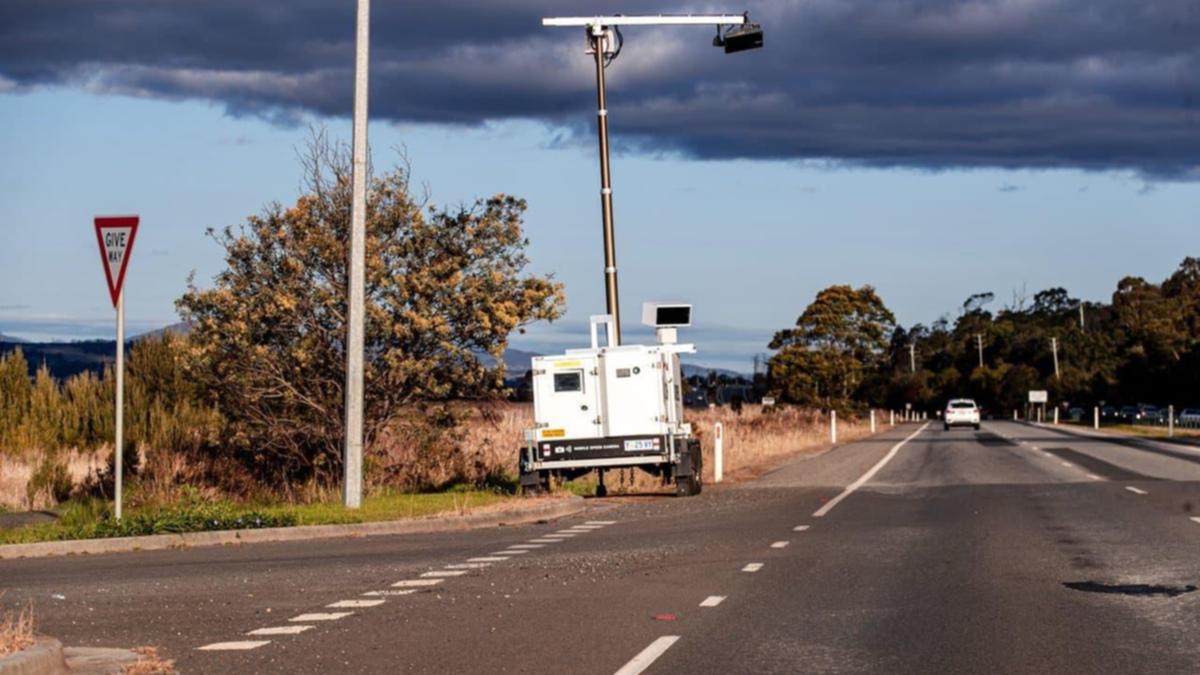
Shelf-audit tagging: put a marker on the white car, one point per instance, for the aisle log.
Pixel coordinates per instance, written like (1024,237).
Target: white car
(961,412)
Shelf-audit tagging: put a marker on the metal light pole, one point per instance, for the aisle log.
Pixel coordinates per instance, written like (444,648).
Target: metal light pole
(979,343)
(598,39)
(602,31)
(356,281)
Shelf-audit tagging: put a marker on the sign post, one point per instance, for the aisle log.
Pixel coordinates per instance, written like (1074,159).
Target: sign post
(115,235)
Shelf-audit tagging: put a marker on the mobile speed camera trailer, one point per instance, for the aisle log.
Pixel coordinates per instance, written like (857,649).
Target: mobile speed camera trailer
(613,406)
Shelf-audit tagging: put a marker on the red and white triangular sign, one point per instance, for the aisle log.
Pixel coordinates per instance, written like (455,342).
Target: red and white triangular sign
(115,235)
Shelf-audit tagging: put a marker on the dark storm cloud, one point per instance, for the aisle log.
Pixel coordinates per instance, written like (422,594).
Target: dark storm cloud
(1095,84)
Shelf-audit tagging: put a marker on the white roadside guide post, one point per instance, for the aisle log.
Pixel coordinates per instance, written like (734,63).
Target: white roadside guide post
(353,457)
(891,418)
(833,427)
(718,452)
(115,235)
(1056,414)
(1096,417)
(1170,421)
(872,420)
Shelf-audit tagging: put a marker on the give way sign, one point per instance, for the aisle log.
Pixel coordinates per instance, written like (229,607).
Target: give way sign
(115,234)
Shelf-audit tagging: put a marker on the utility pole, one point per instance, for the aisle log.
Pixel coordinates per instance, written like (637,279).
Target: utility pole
(979,344)
(598,40)
(1054,349)
(1081,316)
(353,459)
(912,358)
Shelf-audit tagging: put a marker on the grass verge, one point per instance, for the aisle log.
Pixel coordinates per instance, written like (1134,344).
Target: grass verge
(92,519)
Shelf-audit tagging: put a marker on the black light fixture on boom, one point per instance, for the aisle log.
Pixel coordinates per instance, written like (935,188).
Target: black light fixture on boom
(740,38)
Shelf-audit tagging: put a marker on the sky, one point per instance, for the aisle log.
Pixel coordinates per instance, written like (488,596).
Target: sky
(931,148)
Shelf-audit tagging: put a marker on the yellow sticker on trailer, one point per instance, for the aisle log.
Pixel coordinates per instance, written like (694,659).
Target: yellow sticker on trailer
(567,364)
(553,433)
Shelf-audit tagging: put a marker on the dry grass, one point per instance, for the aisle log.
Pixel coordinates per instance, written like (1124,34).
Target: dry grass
(16,630)
(15,472)
(150,663)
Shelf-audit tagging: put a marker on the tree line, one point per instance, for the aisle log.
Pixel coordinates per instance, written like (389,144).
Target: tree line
(847,350)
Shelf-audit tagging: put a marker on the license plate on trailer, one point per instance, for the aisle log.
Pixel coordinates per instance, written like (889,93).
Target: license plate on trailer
(639,444)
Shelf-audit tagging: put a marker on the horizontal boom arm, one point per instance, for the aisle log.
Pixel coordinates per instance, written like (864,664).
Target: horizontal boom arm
(650,20)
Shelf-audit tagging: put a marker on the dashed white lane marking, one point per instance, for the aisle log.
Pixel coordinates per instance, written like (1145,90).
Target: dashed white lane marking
(1136,491)
(584,528)
(1094,476)
(712,601)
(528,546)
(779,544)
(545,540)
(867,476)
(600,522)
(1196,519)
(799,528)
(648,655)
(1066,464)
(417,583)
(752,567)
(466,566)
(377,594)
(280,630)
(1036,448)
(347,604)
(320,616)
(444,573)
(572,532)
(559,536)
(488,558)
(511,552)
(237,645)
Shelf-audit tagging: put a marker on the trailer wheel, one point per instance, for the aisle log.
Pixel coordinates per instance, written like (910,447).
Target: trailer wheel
(535,482)
(688,472)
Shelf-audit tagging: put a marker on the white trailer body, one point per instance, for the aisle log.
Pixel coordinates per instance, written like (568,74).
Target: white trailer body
(609,407)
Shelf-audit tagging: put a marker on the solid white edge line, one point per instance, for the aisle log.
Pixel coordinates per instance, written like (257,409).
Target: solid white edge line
(648,655)
(1135,491)
(713,601)
(819,513)
(240,645)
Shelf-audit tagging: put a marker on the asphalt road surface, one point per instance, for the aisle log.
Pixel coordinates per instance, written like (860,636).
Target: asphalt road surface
(1014,549)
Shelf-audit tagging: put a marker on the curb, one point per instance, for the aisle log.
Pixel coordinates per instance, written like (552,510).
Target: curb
(558,508)
(45,657)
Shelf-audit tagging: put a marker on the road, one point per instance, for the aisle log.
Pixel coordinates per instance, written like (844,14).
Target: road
(1014,549)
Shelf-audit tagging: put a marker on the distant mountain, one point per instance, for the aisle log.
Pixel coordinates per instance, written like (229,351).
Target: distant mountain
(9,338)
(181,328)
(65,359)
(691,369)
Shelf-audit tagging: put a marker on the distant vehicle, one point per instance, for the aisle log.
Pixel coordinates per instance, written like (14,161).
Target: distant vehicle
(1075,414)
(1128,414)
(961,412)
(1190,416)
(1109,413)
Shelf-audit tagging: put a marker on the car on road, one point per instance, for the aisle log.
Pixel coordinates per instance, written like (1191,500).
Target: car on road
(960,412)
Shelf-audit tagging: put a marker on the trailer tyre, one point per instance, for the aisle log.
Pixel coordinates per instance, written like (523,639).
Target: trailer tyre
(688,472)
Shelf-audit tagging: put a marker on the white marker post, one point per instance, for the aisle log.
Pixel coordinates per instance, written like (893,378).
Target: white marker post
(833,427)
(872,420)
(718,452)
(115,235)
(891,418)
(1056,414)
(1170,421)
(1096,417)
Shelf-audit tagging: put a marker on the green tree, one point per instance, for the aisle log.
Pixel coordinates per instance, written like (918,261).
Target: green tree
(840,336)
(15,391)
(443,286)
